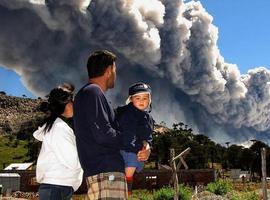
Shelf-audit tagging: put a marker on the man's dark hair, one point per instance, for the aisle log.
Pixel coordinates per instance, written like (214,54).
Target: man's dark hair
(98,62)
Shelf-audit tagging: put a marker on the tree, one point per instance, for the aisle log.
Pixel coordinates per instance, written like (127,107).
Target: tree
(33,148)
(256,156)
(245,158)
(202,139)
(204,150)
(233,156)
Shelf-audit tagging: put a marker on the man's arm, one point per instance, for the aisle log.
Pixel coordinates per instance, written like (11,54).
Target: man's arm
(100,124)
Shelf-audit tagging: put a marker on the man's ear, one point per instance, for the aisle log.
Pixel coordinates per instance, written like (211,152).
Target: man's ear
(108,71)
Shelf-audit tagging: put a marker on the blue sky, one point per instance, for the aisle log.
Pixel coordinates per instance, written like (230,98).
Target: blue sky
(244,38)
(11,83)
(244,31)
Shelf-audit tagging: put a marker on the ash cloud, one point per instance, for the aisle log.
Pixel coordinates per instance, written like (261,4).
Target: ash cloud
(168,43)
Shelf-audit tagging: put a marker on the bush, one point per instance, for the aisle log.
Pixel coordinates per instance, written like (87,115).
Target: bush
(185,193)
(167,193)
(250,196)
(141,194)
(220,187)
(245,196)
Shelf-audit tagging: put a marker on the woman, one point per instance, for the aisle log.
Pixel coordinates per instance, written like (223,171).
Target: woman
(58,167)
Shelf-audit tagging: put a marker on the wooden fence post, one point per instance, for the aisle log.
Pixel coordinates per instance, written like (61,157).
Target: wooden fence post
(175,177)
(264,186)
(175,168)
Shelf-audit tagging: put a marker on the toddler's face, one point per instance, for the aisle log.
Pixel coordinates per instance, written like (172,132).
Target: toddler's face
(140,101)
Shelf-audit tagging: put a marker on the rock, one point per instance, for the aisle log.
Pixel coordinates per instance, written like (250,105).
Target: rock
(25,195)
(205,195)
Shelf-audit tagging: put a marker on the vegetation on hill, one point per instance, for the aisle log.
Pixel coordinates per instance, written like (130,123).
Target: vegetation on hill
(12,150)
(19,117)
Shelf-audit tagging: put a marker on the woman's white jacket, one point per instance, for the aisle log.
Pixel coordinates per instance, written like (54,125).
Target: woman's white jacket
(58,161)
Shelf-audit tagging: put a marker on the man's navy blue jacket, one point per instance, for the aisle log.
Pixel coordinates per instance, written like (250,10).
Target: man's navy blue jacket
(136,126)
(97,138)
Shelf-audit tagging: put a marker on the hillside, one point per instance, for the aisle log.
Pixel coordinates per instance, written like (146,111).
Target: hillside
(19,115)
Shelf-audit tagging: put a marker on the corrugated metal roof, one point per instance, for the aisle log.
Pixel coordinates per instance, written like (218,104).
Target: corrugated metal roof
(18,166)
(9,175)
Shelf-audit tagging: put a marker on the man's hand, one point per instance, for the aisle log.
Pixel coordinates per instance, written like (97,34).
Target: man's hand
(144,154)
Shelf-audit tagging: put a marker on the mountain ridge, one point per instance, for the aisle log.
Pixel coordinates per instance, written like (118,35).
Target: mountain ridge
(21,116)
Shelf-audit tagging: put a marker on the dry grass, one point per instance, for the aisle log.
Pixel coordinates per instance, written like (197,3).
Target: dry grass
(251,186)
(83,197)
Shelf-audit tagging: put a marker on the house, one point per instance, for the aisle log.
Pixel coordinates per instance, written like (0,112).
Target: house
(239,175)
(20,166)
(9,182)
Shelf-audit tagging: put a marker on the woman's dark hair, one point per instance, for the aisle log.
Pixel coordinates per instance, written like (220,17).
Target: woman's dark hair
(98,62)
(57,100)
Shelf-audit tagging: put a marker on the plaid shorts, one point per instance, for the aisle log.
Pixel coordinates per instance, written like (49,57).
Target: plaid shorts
(107,186)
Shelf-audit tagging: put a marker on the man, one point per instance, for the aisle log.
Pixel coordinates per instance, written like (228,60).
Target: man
(97,137)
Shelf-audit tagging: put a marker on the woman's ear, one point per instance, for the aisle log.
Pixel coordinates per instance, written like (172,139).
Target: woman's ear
(68,112)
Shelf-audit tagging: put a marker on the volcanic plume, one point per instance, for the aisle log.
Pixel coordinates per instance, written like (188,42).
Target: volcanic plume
(170,44)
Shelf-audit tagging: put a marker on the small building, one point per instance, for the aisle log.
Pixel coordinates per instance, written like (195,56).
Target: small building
(239,175)
(20,166)
(10,181)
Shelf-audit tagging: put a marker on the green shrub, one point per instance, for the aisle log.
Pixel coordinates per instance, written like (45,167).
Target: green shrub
(220,187)
(141,194)
(250,196)
(245,196)
(165,193)
(185,193)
